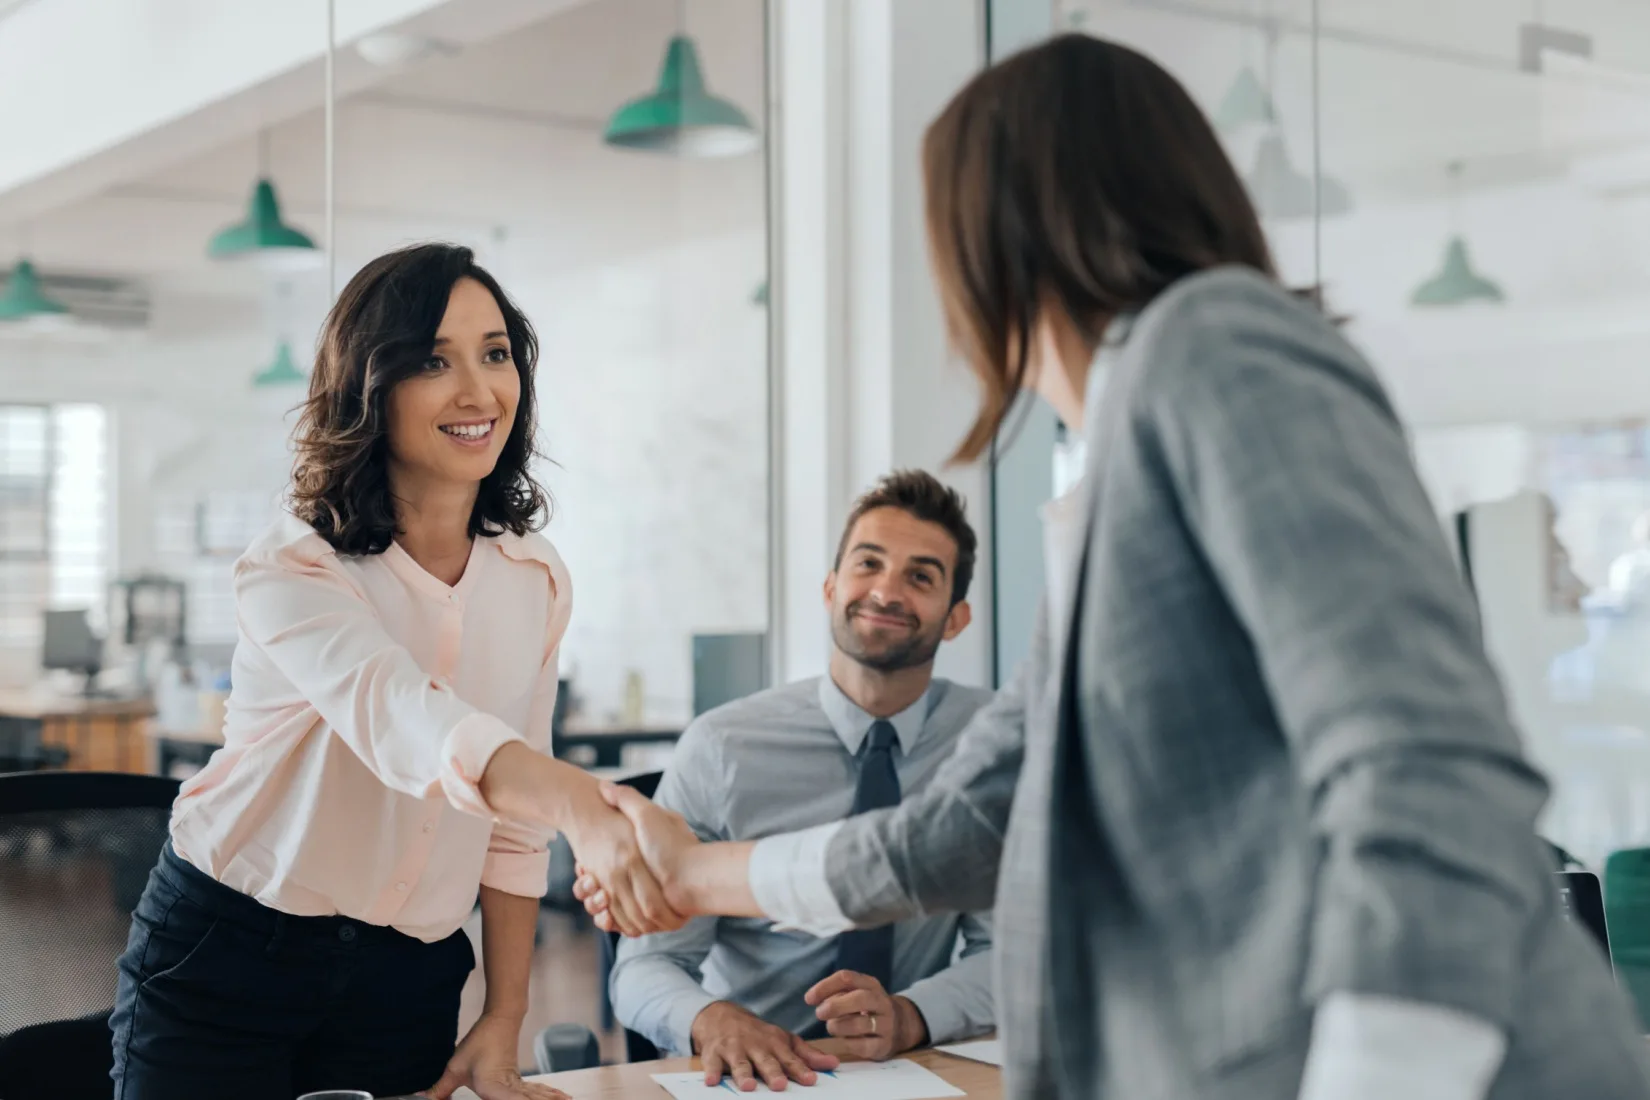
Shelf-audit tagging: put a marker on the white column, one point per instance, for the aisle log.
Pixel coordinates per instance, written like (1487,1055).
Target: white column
(863,381)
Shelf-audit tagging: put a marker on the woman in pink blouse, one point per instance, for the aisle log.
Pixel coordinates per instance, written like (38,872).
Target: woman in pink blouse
(386,746)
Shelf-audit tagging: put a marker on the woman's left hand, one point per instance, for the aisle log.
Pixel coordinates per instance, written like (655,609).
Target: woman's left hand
(486,1062)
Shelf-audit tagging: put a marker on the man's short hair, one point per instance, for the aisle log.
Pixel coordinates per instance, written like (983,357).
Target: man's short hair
(921,495)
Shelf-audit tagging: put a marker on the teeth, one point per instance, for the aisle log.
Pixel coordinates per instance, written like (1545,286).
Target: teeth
(468,431)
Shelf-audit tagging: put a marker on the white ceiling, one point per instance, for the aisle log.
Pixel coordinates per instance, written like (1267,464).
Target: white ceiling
(503,136)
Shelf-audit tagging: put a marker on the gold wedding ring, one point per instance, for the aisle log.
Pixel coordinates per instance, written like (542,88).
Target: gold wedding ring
(873,1023)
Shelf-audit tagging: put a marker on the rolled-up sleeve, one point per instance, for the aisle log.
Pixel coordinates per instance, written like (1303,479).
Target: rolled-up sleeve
(412,732)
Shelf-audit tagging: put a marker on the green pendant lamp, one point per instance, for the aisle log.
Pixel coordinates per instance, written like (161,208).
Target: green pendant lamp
(680,117)
(1456,282)
(1245,104)
(1280,190)
(282,371)
(24,300)
(263,239)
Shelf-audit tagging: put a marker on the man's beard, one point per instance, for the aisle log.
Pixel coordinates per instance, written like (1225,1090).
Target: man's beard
(917,648)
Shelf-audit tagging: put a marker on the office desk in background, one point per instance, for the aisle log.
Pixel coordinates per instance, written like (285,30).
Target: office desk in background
(603,743)
(635,1081)
(101,734)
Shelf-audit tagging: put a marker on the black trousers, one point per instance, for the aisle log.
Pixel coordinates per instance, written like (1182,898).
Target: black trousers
(220,996)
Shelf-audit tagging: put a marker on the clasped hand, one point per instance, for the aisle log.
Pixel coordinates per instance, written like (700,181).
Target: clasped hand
(627,864)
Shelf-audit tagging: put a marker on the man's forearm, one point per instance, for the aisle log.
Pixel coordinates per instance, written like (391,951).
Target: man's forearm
(714,879)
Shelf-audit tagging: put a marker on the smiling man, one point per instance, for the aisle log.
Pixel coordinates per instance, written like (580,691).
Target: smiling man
(742,994)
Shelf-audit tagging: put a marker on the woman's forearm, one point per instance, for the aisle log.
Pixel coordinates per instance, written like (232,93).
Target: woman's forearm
(526,785)
(508,925)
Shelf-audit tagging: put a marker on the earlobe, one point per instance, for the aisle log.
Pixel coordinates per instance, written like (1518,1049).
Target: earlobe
(830,589)
(957,621)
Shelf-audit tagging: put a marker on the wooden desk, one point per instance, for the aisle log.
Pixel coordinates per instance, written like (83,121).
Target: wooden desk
(100,734)
(635,1081)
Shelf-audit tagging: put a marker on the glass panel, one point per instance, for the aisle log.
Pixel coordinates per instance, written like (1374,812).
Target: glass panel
(645,274)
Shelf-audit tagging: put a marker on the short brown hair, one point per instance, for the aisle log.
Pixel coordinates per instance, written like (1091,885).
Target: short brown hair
(381,330)
(921,495)
(1077,171)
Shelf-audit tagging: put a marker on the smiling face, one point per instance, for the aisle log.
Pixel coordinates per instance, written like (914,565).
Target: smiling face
(449,421)
(890,595)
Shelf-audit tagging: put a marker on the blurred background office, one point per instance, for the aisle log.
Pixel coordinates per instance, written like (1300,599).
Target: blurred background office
(155,334)
(711,211)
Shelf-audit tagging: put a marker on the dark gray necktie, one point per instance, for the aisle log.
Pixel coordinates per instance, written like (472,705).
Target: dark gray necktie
(871,950)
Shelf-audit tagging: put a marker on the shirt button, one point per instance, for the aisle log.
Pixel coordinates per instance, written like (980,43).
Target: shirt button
(401,887)
(347,933)
(428,825)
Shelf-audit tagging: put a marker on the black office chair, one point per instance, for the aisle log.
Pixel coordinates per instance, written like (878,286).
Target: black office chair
(562,1047)
(76,849)
(23,750)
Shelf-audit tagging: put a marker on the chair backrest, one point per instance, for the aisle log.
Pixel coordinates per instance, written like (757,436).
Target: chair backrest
(76,849)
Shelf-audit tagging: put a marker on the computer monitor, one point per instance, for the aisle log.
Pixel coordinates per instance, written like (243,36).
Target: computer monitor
(727,667)
(70,645)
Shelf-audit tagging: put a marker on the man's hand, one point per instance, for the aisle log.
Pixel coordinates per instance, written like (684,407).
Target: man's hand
(855,1007)
(486,1062)
(730,1040)
(662,837)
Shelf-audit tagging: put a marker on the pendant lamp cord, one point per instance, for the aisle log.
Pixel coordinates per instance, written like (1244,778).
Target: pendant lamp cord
(1317,160)
(1455,168)
(331,162)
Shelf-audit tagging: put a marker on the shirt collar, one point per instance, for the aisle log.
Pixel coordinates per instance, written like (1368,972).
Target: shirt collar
(853,724)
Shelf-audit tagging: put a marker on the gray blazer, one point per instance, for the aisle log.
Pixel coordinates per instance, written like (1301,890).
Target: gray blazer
(1262,757)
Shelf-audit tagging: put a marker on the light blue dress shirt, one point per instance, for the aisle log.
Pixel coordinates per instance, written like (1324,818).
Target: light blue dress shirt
(781,760)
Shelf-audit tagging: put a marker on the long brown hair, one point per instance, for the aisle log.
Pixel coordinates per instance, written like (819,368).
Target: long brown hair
(381,330)
(1077,172)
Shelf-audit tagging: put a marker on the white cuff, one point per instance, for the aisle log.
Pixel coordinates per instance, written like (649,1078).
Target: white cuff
(787,878)
(1368,1047)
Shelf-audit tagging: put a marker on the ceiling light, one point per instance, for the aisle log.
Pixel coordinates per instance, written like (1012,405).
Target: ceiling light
(392,49)
(282,371)
(680,117)
(1456,282)
(1280,191)
(263,239)
(1245,104)
(24,300)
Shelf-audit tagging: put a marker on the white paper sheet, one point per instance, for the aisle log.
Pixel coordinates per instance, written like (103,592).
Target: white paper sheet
(989,1051)
(900,1079)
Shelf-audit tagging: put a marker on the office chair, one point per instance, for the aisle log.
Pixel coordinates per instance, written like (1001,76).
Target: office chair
(76,849)
(562,1047)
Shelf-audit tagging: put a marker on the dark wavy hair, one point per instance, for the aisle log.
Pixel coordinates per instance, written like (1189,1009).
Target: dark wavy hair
(381,330)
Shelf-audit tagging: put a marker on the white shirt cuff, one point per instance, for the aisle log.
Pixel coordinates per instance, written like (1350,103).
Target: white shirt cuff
(787,878)
(1368,1047)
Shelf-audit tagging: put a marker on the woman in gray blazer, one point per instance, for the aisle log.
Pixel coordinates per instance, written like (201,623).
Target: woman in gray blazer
(1255,820)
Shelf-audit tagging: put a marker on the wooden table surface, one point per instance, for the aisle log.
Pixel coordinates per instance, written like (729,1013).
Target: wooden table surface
(977,1079)
(30,703)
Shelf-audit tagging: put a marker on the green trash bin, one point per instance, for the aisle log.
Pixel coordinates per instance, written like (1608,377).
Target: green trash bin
(1627,912)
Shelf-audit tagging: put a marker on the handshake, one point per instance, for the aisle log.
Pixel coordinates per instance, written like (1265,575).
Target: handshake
(635,866)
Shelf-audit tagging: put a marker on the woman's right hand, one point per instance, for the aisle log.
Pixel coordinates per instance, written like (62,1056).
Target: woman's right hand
(607,849)
(664,838)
